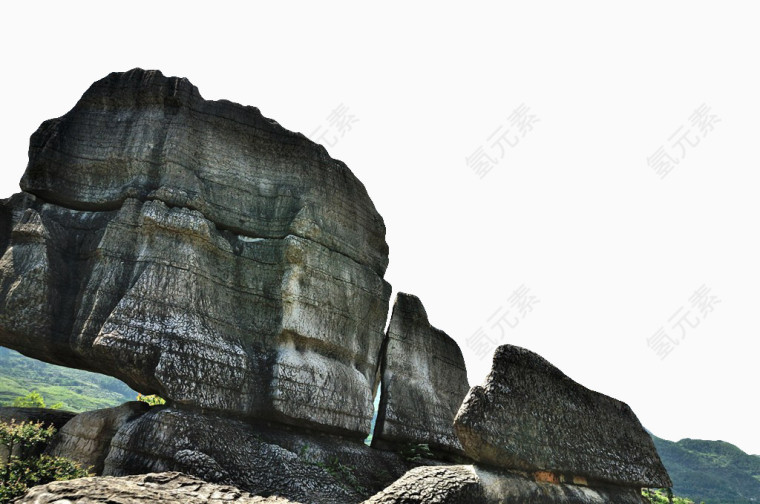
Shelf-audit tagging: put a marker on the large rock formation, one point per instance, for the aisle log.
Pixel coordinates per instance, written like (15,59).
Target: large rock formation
(200,251)
(529,416)
(168,488)
(424,381)
(197,250)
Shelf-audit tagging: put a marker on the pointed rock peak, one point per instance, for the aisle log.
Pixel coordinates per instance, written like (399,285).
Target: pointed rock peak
(409,307)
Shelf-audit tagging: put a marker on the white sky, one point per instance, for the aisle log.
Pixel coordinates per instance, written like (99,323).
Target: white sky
(572,211)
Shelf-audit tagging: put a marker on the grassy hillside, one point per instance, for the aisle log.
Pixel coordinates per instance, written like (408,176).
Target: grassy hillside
(715,472)
(77,390)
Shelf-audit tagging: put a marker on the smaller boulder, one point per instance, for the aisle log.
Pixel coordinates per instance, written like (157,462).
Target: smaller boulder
(529,416)
(86,438)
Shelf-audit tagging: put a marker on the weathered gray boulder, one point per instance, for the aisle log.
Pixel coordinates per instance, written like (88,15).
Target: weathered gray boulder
(261,458)
(197,250)
(424,381)
(531,417)
(170,488)
(476,485)
(86,438)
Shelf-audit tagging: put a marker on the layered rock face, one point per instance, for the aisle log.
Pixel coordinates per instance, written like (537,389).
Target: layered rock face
(197,250)
(531,417)
(424,380)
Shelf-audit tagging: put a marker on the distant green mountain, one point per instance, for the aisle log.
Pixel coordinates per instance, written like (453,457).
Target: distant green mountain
(77,390)
(714,472)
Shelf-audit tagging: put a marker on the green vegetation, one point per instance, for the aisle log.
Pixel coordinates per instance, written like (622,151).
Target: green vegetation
(414,453)
(660,496)
(70,389)
(23,467)
(343,474)
(33,400)
(715,472)
(376,406)
(153,400)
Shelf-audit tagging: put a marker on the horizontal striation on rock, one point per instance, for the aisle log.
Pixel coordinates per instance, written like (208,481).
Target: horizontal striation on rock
(530,416)
(234,281)
(142,135)
(424,381)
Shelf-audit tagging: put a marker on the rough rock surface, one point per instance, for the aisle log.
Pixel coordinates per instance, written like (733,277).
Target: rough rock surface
(424,380)
(197,250)
(261,459)
(530,416)
(475,485)
(170,487)
(86,438)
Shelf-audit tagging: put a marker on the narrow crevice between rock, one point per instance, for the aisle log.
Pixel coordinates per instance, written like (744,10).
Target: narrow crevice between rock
(376,407)
(377,391)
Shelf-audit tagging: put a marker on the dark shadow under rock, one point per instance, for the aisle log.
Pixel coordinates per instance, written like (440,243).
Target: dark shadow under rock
(264,459)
